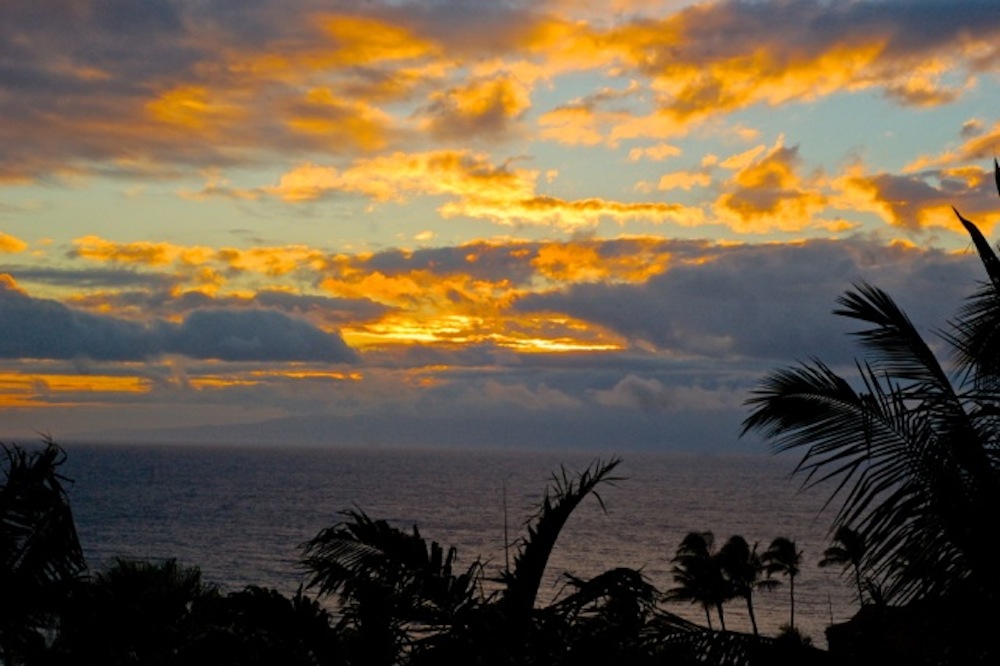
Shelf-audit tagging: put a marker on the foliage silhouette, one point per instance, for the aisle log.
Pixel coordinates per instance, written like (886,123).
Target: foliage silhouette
(40,553)
(401,600)
(782,557)
(741,568)
(913,450)
(698,576)
(134,612)
(394,587)
(847,551)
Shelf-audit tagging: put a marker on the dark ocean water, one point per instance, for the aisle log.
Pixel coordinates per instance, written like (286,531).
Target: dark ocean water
(241,513)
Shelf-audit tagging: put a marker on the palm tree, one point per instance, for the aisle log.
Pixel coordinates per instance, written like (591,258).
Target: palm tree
(133,612)
(392,584)
(400,596)
(741,567)
(698,576)
(912,451)
(40,553)
(784,558)
(847,551)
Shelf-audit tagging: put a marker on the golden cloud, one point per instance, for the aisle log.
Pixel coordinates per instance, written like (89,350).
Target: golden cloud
(140,252)
(331,120)
(684,180)
(193,108)
(396,176)
(919,200)
(767,193)
(10,244)
(502,194)
(576,262)
(656,153)
(480,107)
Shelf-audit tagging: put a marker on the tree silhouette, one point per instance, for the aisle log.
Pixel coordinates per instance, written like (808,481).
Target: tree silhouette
(910,444)
(393,585)
(847,551)
(698,576)
(782,557)
(562,497)
(40,553)
(741,568)
(133,612)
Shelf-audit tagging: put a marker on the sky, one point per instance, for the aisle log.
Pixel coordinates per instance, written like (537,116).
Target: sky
(469,223)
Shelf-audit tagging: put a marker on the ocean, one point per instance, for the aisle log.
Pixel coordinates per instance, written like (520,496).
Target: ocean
(241,513)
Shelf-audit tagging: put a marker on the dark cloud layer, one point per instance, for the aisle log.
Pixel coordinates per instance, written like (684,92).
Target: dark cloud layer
(46,329)
(768,301)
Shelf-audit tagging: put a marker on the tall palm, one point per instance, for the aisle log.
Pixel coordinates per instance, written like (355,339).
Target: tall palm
(698,576)
(847,551)
(741,568)
(912,451)
(782,557)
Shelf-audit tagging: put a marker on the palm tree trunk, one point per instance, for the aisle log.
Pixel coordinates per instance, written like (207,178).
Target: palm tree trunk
(791,601)
(708,615)
(722,618)
(753,618)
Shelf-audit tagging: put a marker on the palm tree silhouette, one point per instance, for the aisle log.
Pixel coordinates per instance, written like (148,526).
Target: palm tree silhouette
(698,576)
(40,553)
(911,451)
(401,597)
(392,585)
(741,568)
(847,551)
(784,558)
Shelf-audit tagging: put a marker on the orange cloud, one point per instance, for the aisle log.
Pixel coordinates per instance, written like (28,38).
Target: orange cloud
(192,108)
(571,215)
(919,200)
(979,147)
(656,153)
(10,244)
(396,176)
(767,193)
(272,261)
(574,126)
(571,263)
(684,180)
(502,194)
(39,390)
(140,252)
(483,107)
(328,119)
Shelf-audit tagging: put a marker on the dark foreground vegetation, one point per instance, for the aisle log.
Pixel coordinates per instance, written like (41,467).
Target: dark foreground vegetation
(909,448)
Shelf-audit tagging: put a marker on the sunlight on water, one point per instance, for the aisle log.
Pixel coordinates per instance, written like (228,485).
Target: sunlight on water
(240,514)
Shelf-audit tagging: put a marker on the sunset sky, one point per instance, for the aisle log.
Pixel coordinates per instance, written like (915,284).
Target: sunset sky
(533,223)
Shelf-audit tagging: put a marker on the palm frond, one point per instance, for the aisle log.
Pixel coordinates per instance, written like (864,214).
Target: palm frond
(561,498)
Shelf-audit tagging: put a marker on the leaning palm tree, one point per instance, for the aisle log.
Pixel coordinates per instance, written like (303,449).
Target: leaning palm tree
(564,494)
(847,551)
(782,557)
(911,445)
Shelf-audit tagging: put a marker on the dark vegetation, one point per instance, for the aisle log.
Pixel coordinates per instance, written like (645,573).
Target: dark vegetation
(909,448)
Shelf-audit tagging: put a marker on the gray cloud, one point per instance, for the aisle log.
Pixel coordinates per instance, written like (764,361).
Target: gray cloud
(41,328)
(89,277)
(254,335)
(768,301)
